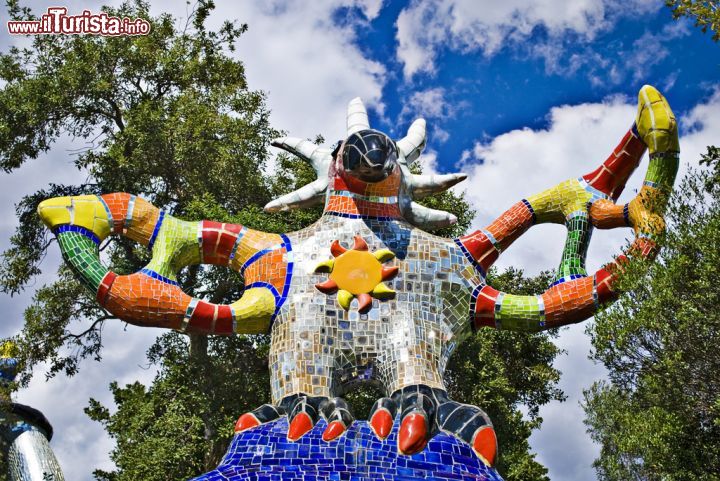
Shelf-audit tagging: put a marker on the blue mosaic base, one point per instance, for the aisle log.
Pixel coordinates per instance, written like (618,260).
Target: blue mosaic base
(265,454)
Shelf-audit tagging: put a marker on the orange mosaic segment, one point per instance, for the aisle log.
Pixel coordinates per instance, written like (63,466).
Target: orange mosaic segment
(611,176)
(511,224)
(385,188)
(218,241)
(270,268)
(117,204)
(569,302)
(605,214)
(142,300)
(349,205)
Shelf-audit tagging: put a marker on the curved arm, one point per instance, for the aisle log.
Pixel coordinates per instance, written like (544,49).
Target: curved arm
(152,297)
(581,204)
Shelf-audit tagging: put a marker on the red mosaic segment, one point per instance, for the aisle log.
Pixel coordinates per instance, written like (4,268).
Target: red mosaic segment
(209,318)
(117,204)
(569,302)
(611,176)
(485,307)
(643,247)
(104,288)
(349,205)
(144,301)
(511,224)
(480,248)
(218,240)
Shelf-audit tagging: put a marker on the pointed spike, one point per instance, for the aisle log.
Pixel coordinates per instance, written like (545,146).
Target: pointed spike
(412,145)
(383,292)
(345,298)
(389,272)
(427,218)
(336,249)
(360,244)
(384,255)
(306,196)
(325,267)
(424,185)
(357,117)
(318,157)
(364,303)
(328,287)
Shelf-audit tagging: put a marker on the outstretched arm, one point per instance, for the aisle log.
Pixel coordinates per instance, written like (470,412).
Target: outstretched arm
(581,204)
(151,296)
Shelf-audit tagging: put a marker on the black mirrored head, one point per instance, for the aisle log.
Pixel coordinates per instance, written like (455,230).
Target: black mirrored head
(369,155)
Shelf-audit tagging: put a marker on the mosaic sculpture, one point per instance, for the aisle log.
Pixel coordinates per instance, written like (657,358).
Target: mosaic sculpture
(364,294)
(25,433)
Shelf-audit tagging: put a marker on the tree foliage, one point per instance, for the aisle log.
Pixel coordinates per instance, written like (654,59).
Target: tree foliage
(169,116)
(706,14)
(658,416)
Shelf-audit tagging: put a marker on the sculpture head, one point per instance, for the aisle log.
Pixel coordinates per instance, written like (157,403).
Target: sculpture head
(369,155)
(370,163)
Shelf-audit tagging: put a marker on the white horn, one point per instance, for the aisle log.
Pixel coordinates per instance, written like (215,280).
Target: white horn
(427,218)
(424,185)
(357,117)
(413,143)
(306,196)
(318,157)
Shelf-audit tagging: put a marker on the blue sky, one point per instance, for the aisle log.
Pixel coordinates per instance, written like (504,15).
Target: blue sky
(519,94)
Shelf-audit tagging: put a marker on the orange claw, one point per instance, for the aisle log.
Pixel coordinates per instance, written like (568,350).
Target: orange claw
(299,426)
(245,422)
(336,249)
(364,303)
(413,434)
(360,244)
(333,431)
(389,272)
(381,423)
(328,287)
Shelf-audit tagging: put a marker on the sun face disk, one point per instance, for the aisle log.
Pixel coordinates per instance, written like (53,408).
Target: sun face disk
(357,273)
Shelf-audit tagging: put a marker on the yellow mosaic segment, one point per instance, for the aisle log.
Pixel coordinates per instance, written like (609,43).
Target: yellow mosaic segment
(656,122)
(253,311)
(357,272)
(252,242)
(82,210)
(556,203)
(642,211)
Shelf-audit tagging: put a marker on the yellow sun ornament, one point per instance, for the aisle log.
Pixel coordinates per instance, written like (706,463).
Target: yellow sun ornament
(357,273)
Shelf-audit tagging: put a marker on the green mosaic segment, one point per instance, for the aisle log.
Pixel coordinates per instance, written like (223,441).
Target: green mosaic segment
(82,254)
(521,313)
(576,245)
(176,246)
(663,169)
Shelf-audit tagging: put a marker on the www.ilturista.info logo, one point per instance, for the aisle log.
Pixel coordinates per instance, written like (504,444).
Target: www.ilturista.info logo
(57,21)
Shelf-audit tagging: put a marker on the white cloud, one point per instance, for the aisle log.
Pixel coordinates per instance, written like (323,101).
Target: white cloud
(424,28)
(516,164)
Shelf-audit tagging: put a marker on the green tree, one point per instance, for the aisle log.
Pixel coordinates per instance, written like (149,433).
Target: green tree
(170,117)
(658,415)
(706,14)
